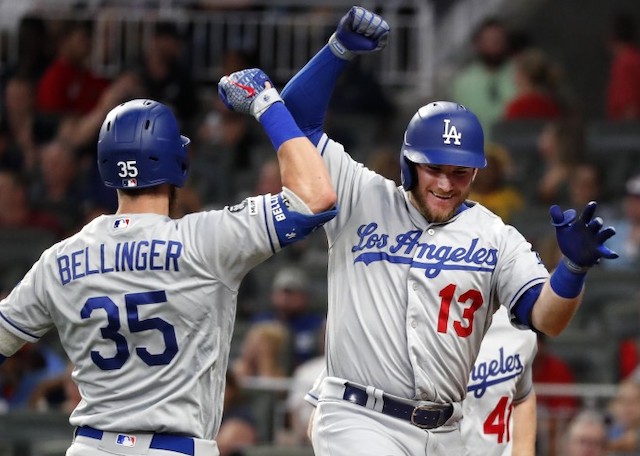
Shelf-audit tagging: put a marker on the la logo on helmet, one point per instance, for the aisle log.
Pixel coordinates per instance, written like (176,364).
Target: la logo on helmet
(451,132)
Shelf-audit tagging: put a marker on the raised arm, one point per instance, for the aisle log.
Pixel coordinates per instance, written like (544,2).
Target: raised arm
(303,172)
(581,241)
(308,93)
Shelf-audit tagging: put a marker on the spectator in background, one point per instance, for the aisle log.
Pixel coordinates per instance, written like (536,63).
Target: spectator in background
(624,431)
(290,305)
(166,77)
(21,375)
(222,159)
(15,210)
(299,411)
(490,187)
(586,435)
(26,129)
(549,368)
(20,151)
(238,428)
(560,147)
(585,184)
(264,352)
(60,387)
(487,84)
(68,86)
(627,244)
(537,83)
(57,190)
(623,88)
(34,49)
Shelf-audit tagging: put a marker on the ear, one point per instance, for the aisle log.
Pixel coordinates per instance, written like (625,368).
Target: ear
(475,173)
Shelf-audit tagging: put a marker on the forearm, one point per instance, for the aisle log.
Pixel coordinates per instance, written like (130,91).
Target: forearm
(524,427)
(307,94)
(302,169)
(552,313)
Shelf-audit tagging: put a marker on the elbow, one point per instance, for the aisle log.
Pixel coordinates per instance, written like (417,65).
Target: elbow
(324,200)
(552,331)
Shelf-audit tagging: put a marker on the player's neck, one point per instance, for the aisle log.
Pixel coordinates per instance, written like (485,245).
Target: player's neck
(154,203)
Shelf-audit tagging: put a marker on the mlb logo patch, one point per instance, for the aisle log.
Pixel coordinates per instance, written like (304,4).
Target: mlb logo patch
(126,440)
(121,223)
(130,182)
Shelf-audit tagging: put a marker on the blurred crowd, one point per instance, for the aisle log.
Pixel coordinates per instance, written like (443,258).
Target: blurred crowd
(53,103)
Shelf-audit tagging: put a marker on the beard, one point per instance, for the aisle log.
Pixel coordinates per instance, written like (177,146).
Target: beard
(436,214)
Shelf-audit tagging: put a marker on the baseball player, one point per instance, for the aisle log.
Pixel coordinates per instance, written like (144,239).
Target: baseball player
(499,412)
(145,304)
(416,271)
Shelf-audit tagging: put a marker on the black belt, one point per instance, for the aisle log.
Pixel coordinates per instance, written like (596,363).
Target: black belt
(176,443)
(428,416)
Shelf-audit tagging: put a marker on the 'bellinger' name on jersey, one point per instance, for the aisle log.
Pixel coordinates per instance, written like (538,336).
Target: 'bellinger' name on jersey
(154,254)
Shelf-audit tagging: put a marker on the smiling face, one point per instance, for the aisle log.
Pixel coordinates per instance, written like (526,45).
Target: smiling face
(440,190)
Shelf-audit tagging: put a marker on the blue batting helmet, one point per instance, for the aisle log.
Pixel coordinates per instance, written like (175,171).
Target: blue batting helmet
(441,133)
(140,145)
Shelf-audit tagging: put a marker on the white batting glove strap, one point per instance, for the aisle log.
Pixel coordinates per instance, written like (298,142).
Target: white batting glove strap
(263,100)
(339,50)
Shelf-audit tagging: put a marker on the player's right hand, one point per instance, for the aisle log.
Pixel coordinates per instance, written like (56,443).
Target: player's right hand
(359,32)
(581,239)
(248,91)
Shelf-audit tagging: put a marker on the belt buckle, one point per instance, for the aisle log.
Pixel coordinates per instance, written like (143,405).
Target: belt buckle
(427,408)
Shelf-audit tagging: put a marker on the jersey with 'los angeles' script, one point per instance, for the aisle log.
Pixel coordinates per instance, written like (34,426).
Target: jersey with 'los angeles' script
(409,300)
(500,379)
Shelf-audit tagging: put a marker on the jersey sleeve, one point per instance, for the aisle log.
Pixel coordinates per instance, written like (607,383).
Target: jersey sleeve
(23,312)
(237,238)
(524,386)
(518,268)
(350,179)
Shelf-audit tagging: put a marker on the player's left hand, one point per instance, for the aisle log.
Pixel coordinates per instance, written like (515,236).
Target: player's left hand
(359,32)
(248,91)
(581,239)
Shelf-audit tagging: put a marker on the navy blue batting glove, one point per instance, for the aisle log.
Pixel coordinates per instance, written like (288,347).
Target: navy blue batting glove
(581,239)
(359,32)
(248,91)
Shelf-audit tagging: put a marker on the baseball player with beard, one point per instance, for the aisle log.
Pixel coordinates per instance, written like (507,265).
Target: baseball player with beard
(499,412)
(417,271)
(145,304)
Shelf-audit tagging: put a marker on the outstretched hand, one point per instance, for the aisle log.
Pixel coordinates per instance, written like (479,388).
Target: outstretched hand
(581,239)
(248,91)
(359,32)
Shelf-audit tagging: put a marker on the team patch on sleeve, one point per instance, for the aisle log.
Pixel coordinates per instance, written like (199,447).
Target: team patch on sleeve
(247,203)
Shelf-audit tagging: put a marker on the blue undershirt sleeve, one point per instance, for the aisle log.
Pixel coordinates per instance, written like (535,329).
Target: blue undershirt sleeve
(522,309)
(307,94)
(2,358)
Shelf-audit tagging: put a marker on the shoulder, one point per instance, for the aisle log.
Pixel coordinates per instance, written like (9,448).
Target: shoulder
(484,214)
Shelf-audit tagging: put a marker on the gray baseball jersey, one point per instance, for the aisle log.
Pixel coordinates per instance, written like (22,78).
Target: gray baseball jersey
(500,378)
(144,306)
(409,301)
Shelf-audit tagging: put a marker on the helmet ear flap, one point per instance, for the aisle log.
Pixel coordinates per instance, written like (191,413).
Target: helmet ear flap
(407,173)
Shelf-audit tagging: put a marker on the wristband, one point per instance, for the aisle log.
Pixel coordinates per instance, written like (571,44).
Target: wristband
(565,282)
(339,50)
(279,125)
